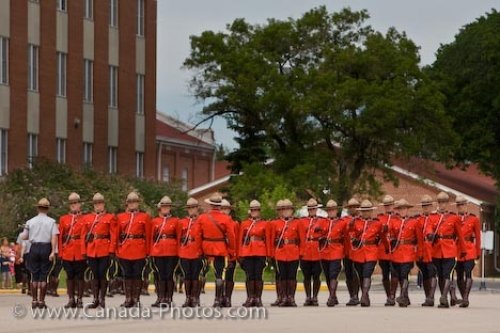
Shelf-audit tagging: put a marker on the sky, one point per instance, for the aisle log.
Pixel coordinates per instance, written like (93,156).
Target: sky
(428,23)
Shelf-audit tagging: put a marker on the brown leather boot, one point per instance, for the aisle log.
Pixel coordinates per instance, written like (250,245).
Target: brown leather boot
(365,289)
(80,287)
(103,288)
(283,293)
(250,293)
(195,292)
(332,288)
(137,291)
(443,300)
(70,286)
(291,288)
(258,287)
(403,300)
(188,286)
(219,293)
(468,287)
(169,294)
(278,287)
(145,287)
(393,287)
(95,294)
(315,291)
(43,292)
(429,300)
(34,295)
(355,291)
(453,293)
(228,293)
(128,286)
(160,293)
(156,304)
(307,290)
(387,289)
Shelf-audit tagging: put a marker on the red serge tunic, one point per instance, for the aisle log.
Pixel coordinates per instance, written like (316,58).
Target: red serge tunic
(365,237)
(236,230)
(347,245)
(189,238)
(406,239)
(471,231)
(426,222)
(164,236)
(134,235)
(217,230)
(70,242)
(386,220)
(286,237)
(333,234)
(98,235)
(310,232)
(254,238)
(444,235)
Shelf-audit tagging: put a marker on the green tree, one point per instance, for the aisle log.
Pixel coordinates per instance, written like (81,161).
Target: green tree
(325,96)
(467,71)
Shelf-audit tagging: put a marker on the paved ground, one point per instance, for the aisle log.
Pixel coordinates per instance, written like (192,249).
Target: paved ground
(481,317)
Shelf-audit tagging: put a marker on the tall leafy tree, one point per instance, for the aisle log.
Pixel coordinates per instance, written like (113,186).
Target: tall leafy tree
(325,96)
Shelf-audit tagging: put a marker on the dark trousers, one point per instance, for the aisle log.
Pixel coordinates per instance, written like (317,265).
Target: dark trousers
(99,267)
(444,267)
(39,262)
(230,268)
(219,265)
(253,267)
(74,269)
(331,268)
(349,269)
(387,268)
(288,270)
(132,269)
(311,269)
(191,268)
(428,270)
(464,269)
(402,270)
(365,269)
(165,266)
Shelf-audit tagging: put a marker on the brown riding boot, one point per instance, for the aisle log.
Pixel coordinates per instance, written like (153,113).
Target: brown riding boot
(137,291)
(307,290)
(70,286)
(453,293)
(365,289)
(195,292)
(250,293)
(34,295)
(354,300)
(79,287)
(468,287)
(95,294)
(219,293)
(403,299)
(315,291)
(278,287)
(128,286)
(228,293)
(103,287)
(291,288)
(432,284)
(393,287)
(332,288)
(43,292)
(258,287)
(169,294)
(443,300)
(160,293)
(188,286)
(156,304)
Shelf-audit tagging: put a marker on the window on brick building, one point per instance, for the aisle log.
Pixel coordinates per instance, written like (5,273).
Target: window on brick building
(61,74)
(4,60)
(139,164)
(89,9)
(62,5)
(113,86)
(88,80)
(112,160)
(184,178)
(140,94)
(32,149)
(87,154)
(61,150)
(113,13)
(32,67)
(166,174)
(3,151)
(140,17)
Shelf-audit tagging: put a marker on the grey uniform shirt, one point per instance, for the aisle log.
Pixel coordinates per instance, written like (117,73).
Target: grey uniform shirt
(26,244)
(41,228)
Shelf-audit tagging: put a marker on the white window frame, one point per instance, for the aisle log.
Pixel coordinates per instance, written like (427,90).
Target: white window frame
(140,17)
(33,53)
(4,151)
(184,177)
(113,13)
(62,5)
(62,60)
(112,160)
(61,150)
(140,94)
(166,174)
(4,60)
(113,86)
(88,11)
(32,149)
(88,80)
(87,154)
(139,164)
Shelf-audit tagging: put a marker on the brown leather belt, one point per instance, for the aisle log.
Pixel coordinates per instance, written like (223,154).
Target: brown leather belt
(73,236)
(132,236)
(408,242)
(257,238)
(335,240)
(101,236)
(370,242)
(312,239)
(167,236)
(445,236)
(470,239)
(211,239)
(290,241)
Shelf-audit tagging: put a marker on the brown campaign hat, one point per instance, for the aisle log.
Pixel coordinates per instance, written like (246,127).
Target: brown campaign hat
(426,200)
(402,203)
(133,197)
(331,205)
(461,200)
(214,200)
(192,203)
(287,204)
(366,205)
(254,204)
(352,203)
(225,204)
(165,202)
(97,198)
(74,198)
(279,204)
(443,197)
(387,201)
(312,204)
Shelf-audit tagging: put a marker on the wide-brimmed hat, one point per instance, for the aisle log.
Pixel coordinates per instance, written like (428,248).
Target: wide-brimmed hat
(192,203)
(402,203)
(443,197)
(331,205)
(165,202)
(312,204)
(133,197)
(98,198)
(279,204)
(214,200)
(366,205)
(74,198)
(254,204)
(43,203)
(461,200)
(286,203)
(225,204)
(426,200)
(387,201)
(352,203)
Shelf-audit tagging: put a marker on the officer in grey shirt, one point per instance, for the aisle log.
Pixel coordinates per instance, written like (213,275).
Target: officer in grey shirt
(42,232)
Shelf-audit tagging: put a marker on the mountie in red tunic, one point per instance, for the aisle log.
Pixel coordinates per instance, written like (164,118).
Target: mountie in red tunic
(99,235)
(70,242)
(134,235)
(236,230)
(254,238)
(164,236)
(365,238)
(217,231)
(286,238)
(425,223)
(347,245)
(471,231)
(189,238)
(386,220)
(444,234)
(333,238)
(406,239)
(310,232)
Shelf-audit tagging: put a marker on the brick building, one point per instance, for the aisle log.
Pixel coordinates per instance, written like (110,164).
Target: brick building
(78,84)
